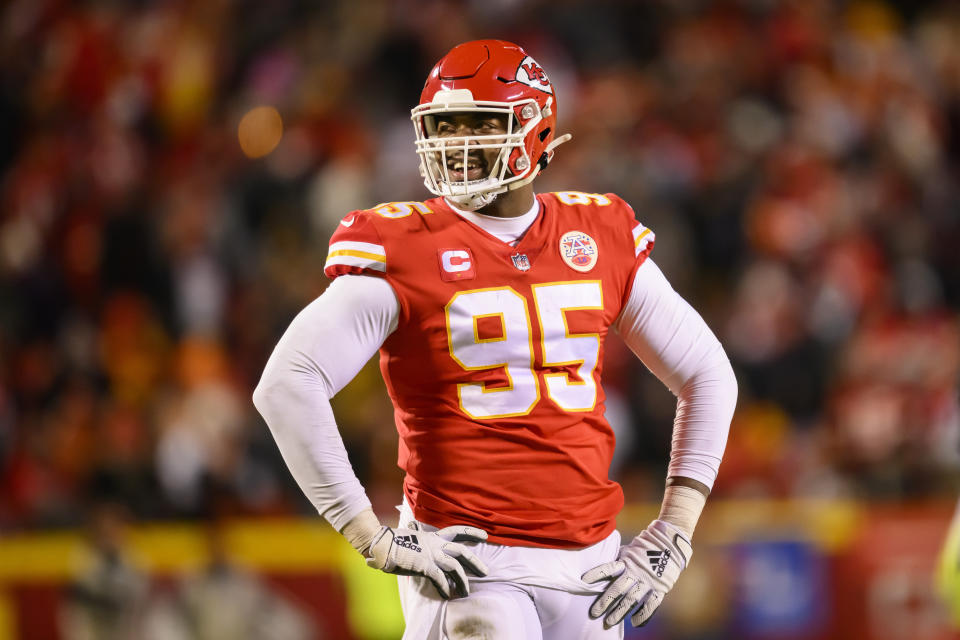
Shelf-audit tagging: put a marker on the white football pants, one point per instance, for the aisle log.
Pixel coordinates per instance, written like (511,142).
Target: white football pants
(529,594)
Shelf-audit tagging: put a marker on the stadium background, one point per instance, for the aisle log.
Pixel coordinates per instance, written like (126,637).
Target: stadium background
(798,160)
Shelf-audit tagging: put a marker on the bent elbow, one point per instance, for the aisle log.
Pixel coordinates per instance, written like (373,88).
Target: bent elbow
(723,379)
(264,392)
(714,377)
(259,396)
(729,378)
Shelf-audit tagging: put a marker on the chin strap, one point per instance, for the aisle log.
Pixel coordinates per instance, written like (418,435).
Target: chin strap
(475,201)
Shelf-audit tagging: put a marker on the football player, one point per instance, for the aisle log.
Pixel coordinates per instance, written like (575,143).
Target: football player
(490,306)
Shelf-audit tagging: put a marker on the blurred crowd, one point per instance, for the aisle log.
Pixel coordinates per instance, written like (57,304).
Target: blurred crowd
(111,598)
(798,160)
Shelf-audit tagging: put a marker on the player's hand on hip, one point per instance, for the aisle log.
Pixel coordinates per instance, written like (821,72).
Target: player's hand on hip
(644,571)
(437,556)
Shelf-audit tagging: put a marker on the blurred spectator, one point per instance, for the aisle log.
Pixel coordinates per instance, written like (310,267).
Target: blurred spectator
(108,599)
(225,603)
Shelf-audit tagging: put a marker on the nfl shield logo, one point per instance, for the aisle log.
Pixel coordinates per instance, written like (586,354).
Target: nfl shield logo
(520,261)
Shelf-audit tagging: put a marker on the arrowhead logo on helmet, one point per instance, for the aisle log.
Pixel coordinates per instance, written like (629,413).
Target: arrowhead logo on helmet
(532,74)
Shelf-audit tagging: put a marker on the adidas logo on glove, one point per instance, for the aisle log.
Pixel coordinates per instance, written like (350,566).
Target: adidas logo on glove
(644,571)
(436,556)
(658,561)
(410,542)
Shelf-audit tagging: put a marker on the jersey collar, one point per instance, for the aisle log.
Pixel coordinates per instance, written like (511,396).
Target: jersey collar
(507,230)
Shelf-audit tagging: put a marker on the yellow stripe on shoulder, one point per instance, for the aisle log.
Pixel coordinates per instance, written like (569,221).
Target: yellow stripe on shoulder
(357,254)
(643,234)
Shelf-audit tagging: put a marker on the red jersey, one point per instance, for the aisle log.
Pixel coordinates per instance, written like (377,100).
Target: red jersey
(494,368)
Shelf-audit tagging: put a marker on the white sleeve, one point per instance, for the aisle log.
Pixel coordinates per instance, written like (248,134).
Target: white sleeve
(321,351)
(674,342)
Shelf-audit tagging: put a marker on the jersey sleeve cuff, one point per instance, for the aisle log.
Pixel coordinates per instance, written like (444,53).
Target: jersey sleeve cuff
(355,258)
(643,241)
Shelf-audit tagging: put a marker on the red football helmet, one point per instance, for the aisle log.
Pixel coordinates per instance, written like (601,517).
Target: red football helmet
(488,76)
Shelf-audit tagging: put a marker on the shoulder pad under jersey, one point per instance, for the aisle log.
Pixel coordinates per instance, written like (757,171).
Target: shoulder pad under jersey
(610,209)
(359,245)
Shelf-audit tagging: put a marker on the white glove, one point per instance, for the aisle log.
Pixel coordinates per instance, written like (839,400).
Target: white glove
(433,555)
(645,570)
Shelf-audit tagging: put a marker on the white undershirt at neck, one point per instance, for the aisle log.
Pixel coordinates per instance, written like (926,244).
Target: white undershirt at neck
(506,230)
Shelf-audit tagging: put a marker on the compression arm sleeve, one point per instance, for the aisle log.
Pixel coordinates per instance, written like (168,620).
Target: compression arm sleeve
(674,342)
(322,350)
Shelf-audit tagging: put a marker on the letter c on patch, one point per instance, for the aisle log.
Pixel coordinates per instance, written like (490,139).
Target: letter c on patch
(455,261)
(456,265)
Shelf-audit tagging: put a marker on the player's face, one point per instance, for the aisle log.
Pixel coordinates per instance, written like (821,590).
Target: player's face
(480,162)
